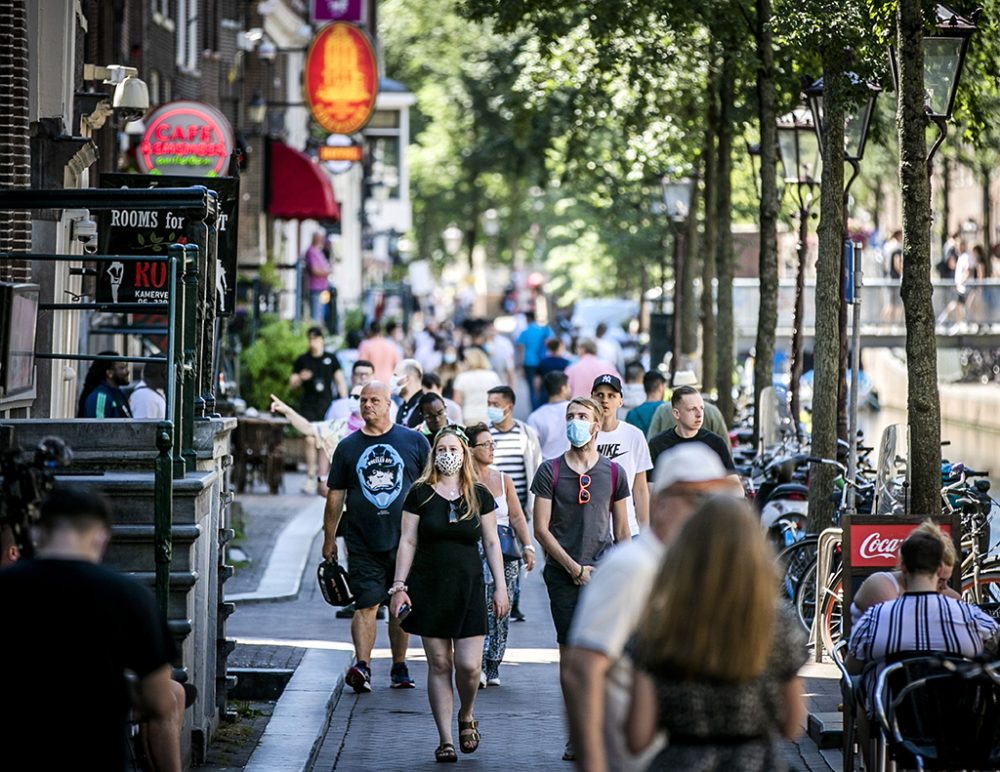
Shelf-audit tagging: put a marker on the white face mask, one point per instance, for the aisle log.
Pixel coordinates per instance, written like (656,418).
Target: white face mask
(394,386)
(448,462)
(355,405)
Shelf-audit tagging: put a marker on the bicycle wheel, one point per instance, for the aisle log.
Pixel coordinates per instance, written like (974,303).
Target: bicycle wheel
(989,591)
(793,562)
(805,597)
(832,615)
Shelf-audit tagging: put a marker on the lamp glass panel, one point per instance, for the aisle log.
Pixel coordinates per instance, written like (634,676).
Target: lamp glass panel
(854,127)
(677,197)
(787,150)
(809,158)
(941,59)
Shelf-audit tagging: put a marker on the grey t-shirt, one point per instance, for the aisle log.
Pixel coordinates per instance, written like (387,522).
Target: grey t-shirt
(583,530)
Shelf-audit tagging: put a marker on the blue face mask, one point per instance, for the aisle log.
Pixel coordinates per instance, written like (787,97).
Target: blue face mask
(578,432)
(494,414)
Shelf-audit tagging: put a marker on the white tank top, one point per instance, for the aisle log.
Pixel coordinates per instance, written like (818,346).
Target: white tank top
(503,508)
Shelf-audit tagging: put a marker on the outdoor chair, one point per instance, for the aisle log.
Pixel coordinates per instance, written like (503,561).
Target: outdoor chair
(939,711)
(851,694)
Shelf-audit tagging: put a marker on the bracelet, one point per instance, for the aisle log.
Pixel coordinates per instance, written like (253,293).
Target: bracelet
(398,587)
(528,547)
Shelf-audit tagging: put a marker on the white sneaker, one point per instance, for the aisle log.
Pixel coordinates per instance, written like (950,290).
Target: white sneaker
(482,680)
(309,486)
(493,681)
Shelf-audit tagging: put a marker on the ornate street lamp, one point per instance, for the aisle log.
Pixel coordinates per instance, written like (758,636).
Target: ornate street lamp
(452,237)
(677,193)
(856,124)
(798,146)
(257,109)
(944,56)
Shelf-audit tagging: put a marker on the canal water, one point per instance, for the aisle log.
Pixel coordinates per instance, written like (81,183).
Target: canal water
(976,448)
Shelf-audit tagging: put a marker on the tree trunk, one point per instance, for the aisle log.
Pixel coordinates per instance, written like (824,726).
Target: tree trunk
(711,231)
(767,318)
(826,349)
(689,308)
(945,200)
(987,173)
(923,407)
(725,356)
(798,331)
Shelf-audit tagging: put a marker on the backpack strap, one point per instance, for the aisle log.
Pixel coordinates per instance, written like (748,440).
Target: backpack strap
(614,484)
(555,475)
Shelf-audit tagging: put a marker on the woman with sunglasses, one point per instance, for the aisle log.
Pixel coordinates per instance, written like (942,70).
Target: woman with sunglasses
(580,512)
(439,591)
(512,528)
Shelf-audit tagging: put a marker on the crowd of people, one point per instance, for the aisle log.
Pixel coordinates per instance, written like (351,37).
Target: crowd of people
(675,651)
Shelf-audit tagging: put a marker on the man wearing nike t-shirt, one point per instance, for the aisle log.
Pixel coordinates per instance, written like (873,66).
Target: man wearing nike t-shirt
(626,446)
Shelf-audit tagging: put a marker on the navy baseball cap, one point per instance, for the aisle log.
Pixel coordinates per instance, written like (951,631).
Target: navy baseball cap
(607,380)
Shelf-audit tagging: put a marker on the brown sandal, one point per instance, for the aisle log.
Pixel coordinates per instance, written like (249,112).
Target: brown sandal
(445,753)
(468,736)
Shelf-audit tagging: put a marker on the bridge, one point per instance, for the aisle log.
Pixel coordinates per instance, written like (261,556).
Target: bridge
(972,324)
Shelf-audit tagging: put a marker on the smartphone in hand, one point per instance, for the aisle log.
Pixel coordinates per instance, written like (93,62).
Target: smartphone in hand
(403,612)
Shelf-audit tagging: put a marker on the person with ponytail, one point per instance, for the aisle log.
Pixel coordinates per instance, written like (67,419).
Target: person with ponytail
(438,592)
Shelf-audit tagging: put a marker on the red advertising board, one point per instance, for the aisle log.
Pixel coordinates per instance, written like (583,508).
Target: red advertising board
(341,78)
(876,545)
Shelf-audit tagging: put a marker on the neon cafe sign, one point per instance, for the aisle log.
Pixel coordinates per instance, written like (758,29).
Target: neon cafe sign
(186,138)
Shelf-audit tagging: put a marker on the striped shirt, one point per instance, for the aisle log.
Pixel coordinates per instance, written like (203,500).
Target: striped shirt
(919,622)
(509,455)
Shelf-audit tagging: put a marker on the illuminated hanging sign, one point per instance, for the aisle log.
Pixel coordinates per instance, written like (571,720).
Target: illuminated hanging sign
(341,80)
(188,138)
(321,11)
(337,153)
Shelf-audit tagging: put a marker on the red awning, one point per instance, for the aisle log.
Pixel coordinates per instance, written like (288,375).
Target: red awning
(299,188)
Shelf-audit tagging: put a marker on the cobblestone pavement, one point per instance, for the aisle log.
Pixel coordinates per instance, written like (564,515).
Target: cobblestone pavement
(521,721)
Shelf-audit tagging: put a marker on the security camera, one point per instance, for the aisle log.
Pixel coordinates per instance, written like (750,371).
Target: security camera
(131,99)
(85,231)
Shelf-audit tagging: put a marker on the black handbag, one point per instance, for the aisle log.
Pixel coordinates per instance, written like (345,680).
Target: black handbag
(333,583)
(509,546)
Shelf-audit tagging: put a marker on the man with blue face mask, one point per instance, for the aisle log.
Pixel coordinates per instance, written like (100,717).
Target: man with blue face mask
(518,453)
(580,512)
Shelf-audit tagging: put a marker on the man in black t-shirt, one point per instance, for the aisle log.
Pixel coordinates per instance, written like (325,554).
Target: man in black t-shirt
(317,372)
(688,409)
(72,629)
(372,471)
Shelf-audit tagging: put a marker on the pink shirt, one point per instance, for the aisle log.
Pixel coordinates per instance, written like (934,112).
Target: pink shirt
(383,355)
(583,374)
(318,269)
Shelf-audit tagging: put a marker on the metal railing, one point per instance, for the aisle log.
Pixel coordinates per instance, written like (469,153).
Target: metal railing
(881,307)
(175,434)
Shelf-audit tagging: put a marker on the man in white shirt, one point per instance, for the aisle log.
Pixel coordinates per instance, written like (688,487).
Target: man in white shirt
(149,399)
(599,683)
(626,446)
(549,421)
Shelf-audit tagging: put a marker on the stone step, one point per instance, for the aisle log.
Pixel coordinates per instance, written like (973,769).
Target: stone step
(826,729)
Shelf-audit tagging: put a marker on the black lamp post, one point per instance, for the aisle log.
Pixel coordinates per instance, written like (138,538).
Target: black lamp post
(944,57)
(677,198)
(798,146)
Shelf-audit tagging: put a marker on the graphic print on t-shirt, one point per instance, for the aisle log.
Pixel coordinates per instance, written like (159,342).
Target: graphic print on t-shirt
(612,450)
(380,473)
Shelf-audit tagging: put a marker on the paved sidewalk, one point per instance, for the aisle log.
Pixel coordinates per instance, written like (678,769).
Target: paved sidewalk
(521,721)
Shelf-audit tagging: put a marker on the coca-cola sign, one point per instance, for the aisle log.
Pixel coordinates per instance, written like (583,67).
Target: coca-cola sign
(877,545)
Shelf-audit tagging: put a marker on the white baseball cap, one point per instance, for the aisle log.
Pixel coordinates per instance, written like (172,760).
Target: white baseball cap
(690,462)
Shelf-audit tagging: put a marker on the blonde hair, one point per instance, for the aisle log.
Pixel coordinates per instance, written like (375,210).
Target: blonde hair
(712,609)
(466,475)
(931,528)
(593,405)
(476,359)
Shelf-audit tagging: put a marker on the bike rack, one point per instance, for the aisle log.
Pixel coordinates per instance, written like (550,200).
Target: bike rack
(828,540)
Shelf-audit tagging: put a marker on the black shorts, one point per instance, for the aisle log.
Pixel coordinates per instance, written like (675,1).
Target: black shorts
(369,574)
(314,410)
(563,597)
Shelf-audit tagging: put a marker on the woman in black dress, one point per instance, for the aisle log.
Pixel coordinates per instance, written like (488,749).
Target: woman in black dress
(439,577)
